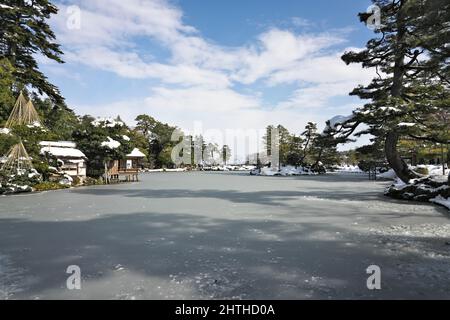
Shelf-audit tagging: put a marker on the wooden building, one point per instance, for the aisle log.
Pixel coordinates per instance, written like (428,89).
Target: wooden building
(126,169)
(72,161)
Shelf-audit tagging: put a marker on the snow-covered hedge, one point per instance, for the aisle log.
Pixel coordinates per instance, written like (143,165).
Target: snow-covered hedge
(19,183)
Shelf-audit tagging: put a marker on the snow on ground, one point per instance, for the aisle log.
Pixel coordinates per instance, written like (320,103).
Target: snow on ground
(343,169)
(389,175)
(442,201)
(433,170)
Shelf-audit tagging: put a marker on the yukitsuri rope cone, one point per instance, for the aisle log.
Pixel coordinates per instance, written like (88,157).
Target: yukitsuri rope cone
(17,161)
(23,113)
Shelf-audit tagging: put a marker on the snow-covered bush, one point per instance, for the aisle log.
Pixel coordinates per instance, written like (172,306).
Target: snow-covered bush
(424,189)
(18,183)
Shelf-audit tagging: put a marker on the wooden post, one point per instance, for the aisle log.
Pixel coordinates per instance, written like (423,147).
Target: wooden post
(106,174)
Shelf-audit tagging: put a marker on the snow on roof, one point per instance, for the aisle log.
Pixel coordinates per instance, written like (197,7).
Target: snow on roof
(337,120)
(61,144)
(107,122)
(63,152)
(136,153)
(111,143)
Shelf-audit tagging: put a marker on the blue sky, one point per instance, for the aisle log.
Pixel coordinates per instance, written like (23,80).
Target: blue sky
(228,64)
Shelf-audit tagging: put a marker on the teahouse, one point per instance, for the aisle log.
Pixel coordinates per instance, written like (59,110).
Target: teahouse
(72,161)
(127,167)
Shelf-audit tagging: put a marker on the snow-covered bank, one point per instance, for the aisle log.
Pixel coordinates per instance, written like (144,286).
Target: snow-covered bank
(442,201)
(205,168)
(348,169)
(433,187)
(425,189)
(284,171)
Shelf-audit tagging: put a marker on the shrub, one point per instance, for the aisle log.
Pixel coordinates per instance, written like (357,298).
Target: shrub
(44,186)
(422,170)
(89,181)
(76,181)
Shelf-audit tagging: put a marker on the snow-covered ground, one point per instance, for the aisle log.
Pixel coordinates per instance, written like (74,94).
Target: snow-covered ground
(343,169)
(442,201)
(223,235)
(433,170)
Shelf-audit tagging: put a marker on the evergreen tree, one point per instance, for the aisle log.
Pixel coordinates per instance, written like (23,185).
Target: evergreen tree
(411,59)
(295,154)
(25,33)
(309,136)
(7,96)
(90,140)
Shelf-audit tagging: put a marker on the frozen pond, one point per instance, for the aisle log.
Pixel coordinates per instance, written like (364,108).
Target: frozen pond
(223,235)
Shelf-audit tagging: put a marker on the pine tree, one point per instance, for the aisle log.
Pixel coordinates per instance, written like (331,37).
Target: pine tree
(7,96)
(410,57)
(309,136)
(25,33)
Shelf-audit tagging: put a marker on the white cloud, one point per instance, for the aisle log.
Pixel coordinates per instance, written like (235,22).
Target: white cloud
(197,80)
(105,41)
(200,100)
(322,69)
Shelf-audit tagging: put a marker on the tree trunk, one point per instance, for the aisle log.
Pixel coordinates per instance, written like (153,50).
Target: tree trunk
(395,161)
(392,137)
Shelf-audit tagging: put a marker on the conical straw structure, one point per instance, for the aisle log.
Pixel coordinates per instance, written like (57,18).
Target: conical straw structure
(17,161)
(23,113)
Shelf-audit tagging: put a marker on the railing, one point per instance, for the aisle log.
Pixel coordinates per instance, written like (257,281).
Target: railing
(128,170)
